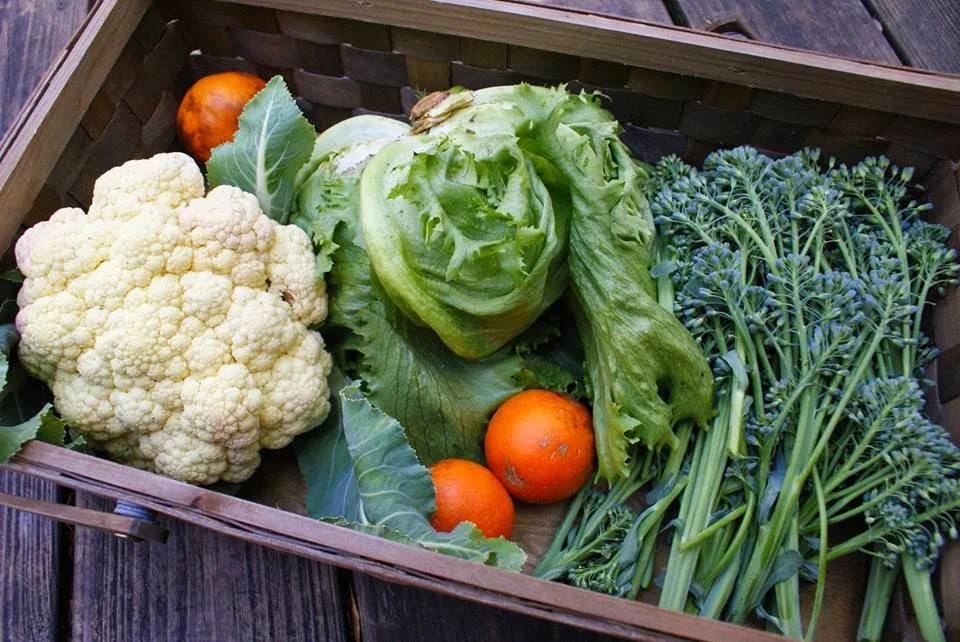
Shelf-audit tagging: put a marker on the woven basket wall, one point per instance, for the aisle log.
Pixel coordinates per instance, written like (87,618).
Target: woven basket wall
(338,68)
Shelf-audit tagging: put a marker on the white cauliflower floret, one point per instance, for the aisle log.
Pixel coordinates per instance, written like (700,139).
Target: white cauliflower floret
(172,327)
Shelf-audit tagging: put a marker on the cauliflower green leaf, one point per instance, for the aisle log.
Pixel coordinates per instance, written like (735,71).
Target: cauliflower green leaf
(15,406)
(272,143)
(394,494)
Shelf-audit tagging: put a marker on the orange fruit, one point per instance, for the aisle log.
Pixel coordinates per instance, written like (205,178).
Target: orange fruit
(468,492)
(209,111)
(540,446)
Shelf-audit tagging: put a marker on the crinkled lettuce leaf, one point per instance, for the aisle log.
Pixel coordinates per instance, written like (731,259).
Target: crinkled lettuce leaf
(442,400)
(390,492)
(465,235)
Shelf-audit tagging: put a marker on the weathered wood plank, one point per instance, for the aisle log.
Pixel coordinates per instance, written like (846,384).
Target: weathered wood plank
(198,586)
(29,550)
(649,10)
(389,612)
(926,32)
(31,33)
(842,27)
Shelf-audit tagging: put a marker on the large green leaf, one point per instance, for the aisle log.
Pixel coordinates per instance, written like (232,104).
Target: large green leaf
(44,426)
(326,465)
(272,143)
(390,493)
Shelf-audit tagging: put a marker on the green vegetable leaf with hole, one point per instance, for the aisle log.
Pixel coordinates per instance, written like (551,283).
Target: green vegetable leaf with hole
(272,143)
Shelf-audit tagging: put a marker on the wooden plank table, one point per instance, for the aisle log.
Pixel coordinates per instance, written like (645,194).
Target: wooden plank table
(58,582)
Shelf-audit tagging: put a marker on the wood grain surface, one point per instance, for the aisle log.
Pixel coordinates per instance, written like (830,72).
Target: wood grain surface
(31,34)
(842,27)
(649,10)
(925,32)
(198,586)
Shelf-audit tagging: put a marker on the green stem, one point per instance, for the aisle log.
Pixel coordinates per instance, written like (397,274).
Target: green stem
(699,497)
(924,604)
(710,530)
(881,582)
(822,561)
(787,591)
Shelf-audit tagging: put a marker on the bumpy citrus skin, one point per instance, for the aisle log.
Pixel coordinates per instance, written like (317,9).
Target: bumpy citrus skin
(468,492)
(539,444)
(209,111)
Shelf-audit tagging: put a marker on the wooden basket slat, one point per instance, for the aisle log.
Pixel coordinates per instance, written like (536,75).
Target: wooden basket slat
(116,145)
(479,77)
(151,28)
(222,14)
(160,131)
(328,90)
(662,84)
(903,156)
(939,139)
(860,121)
(778,136)
(846,148)
(650,145)
(603,73)
(320,30)
(124,72)
(72,160)
(483,54)
(427,74)
(425,45)
(728,96)
(204,65)
(378,98)
(269,49)
(323,116)
(367,35)
(792,110)
(376,67)
(320,59)
(726,127)
(543,64)
(160,69)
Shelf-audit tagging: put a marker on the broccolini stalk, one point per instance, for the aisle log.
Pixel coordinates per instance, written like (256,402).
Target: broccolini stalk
(593,521)
(834,271)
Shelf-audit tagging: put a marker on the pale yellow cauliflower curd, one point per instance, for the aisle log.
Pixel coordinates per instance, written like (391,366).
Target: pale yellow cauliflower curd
(172,326)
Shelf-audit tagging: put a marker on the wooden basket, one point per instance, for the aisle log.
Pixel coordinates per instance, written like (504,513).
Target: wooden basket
(113,95)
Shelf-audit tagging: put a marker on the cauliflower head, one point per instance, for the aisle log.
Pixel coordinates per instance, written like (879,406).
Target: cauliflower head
(173,326)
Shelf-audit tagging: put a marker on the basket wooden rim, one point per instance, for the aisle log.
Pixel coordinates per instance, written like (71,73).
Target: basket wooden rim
(396,562)
(903,90)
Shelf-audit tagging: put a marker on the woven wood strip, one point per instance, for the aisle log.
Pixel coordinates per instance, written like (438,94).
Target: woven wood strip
(426,45)
(790,109)
(316,29)
(268,49)
(202,65)
(844,147)
(780,137)
(722,126)
(665,85)
(859,121)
